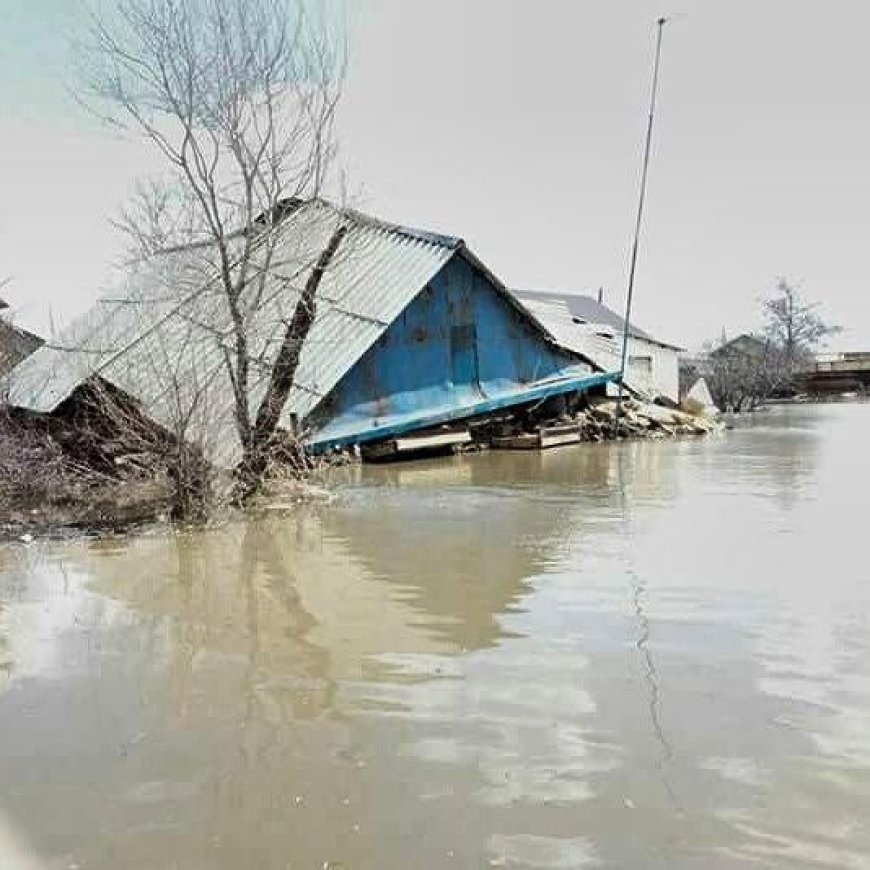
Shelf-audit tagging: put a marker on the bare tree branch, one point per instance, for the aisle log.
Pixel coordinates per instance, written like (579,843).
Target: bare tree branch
(793,323)
(239,97)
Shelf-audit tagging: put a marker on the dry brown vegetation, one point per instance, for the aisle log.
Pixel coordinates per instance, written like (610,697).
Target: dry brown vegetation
(94,462)
(43,485)
(97,463)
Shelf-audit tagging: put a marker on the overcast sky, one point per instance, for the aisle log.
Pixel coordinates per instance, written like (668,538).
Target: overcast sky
(519,127)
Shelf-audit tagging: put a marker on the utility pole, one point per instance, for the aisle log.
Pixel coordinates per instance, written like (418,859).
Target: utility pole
(660,24)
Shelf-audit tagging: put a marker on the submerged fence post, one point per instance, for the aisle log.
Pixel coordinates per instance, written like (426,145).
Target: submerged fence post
(633,263)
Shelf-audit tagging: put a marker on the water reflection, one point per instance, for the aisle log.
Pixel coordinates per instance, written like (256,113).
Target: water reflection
(652,678)
(636,655)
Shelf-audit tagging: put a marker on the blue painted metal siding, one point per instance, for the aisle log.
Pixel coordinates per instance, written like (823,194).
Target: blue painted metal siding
(458,348)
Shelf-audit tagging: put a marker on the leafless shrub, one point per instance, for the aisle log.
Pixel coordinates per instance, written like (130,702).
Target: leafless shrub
(31,464)
(740,378)
(95,460)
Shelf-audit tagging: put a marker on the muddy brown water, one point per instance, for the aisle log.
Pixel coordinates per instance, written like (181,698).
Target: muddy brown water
(638,655)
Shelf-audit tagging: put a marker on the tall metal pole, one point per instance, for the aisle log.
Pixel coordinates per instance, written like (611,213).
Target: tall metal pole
(633,265)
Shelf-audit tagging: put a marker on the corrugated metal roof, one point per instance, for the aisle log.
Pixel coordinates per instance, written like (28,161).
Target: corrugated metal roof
(163,336)
(590,311)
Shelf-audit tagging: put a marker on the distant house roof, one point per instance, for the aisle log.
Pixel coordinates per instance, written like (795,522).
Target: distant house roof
(585,309)
(16,344)
(744,345)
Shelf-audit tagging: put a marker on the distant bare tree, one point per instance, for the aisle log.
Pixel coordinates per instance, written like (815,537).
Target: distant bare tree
(744,372)
(793,324)
(239,98)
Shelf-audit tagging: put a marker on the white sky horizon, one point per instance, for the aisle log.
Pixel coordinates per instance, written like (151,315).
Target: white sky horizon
(519,127)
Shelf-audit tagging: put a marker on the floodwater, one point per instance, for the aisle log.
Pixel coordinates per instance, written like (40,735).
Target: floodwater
(647,655)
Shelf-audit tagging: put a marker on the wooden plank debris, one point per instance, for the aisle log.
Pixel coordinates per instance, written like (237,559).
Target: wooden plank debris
(431,441)
(541,439)
(596,422)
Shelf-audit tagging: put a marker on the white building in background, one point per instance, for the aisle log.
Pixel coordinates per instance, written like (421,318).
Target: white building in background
(590,328)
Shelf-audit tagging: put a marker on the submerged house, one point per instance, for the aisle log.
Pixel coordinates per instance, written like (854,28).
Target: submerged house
(588,327)
(411,331)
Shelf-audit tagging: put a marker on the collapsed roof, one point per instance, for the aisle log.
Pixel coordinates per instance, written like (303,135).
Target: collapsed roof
(163,336)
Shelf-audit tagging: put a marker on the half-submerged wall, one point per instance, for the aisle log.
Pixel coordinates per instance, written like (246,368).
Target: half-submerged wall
(458,348)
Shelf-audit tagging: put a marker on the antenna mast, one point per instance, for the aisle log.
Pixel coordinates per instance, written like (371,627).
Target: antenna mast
(660,23)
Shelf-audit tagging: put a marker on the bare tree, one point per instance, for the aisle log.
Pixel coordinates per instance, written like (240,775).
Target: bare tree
(239,98)
(793,324)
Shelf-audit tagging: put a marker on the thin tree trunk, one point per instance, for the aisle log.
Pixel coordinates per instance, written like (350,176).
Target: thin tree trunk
(283,373)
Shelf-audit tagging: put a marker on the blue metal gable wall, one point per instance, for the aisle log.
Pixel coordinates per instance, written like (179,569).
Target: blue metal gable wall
(457,344)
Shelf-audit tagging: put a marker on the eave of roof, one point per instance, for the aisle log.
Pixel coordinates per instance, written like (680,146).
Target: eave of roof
(400,425)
